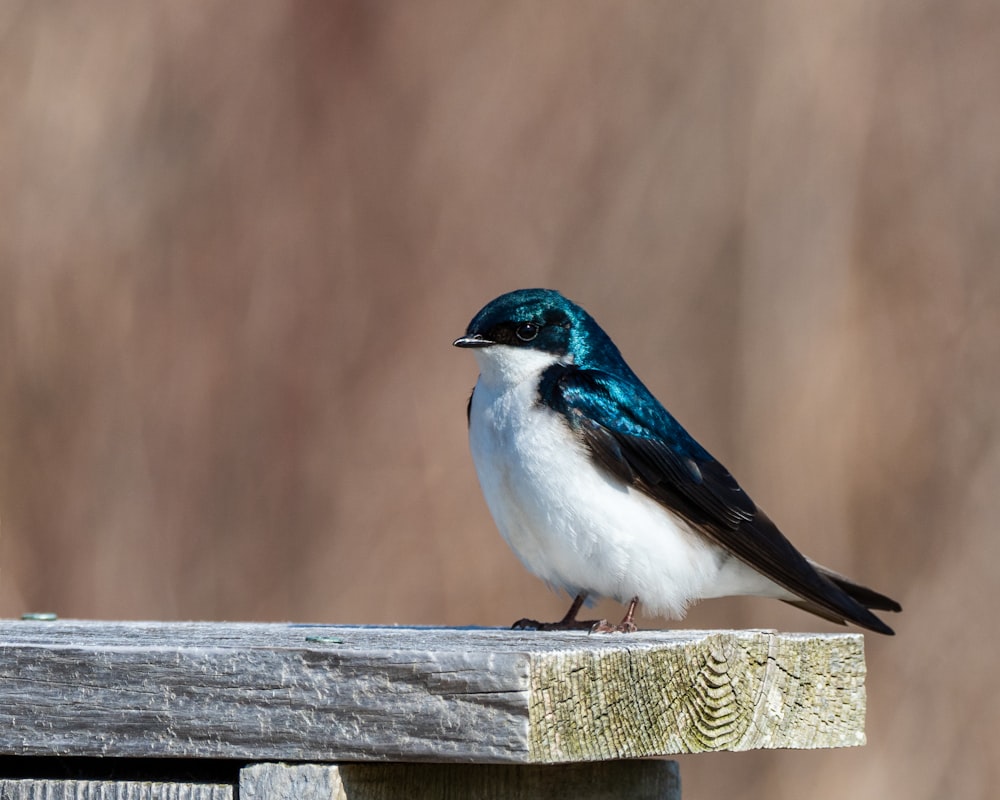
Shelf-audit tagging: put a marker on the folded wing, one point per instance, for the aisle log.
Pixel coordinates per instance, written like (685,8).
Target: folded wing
(638,440)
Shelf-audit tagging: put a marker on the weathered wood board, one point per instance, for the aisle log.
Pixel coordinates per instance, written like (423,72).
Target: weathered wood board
(335,693)
(110,790)
(610,780)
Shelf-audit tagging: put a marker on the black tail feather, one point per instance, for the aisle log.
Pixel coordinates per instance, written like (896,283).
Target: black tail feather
(867,598)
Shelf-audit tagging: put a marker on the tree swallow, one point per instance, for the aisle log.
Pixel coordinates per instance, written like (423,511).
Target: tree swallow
(600,491)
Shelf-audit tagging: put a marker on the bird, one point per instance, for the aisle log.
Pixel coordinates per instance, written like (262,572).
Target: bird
(600,491)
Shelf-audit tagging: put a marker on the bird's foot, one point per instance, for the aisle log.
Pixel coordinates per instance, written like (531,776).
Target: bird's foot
(571,623)
(562,625)
(567,623)
(625,626)
(603,626)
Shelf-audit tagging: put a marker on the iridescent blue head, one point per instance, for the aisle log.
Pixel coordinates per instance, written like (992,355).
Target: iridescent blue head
(544,321)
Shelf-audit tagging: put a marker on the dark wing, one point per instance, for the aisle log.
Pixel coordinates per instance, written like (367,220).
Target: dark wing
(635,438)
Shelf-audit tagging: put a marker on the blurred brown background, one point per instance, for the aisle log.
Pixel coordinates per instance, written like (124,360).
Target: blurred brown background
(236,242)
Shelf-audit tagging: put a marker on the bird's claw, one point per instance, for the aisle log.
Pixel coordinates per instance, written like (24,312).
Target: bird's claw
(625,626)
(588,625)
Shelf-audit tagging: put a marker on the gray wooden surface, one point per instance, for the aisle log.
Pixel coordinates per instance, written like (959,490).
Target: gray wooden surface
(117,790)
(325,693)
(635,780)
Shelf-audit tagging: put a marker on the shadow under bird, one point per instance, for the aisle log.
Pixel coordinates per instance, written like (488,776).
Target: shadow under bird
(600,491)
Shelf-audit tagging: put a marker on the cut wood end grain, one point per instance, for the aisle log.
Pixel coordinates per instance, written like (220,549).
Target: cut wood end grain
(726,690)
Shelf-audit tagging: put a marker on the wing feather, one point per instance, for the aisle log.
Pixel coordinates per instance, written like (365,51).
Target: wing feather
(632,436)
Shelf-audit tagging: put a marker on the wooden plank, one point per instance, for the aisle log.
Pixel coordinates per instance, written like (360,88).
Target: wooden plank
(110,790)
(636,780)
(324,693)
(277,781)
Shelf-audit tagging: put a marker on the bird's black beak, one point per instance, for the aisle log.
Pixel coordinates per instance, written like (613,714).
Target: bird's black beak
(472,341)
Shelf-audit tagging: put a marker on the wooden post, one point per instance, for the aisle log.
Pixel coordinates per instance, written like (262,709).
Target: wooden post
(422,706)
(635,780)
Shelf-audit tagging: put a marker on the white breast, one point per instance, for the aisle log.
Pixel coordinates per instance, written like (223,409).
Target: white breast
(571,523)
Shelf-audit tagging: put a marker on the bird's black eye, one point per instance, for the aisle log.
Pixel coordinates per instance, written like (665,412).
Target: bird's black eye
(527,331)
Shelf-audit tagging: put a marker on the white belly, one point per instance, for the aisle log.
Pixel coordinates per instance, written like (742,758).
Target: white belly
(577,527)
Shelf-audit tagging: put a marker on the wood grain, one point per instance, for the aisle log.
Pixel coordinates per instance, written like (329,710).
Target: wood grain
(110,790)
(335,693)
(636,780)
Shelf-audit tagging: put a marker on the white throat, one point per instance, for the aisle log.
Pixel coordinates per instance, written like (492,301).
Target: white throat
(502,366)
